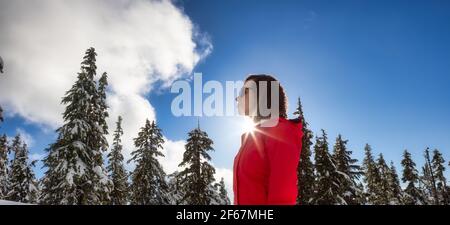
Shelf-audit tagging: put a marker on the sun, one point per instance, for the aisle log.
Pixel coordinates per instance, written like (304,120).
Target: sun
(248,126)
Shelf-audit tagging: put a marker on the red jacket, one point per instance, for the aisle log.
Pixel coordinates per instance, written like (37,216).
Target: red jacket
(265,168)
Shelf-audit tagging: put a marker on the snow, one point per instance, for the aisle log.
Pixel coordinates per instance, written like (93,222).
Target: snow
(69,177)
(80,166)
(4,202)
(79,145)
(101,173)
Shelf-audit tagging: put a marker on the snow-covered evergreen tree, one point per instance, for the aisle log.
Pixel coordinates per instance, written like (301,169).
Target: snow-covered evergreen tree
(428,181)
(99,128)
(76,173)
(222,195)
(371,177)
(3,166)
(395,192)
(118,174)
(175,194)
(426,186)
(328,177)
(196,180)
(1,65)
(384,196)
(148,185)
(1,114)
(412,194)
(1,109)
(102,106)
(305,171)
(346,165)
(22,183)
(437,165)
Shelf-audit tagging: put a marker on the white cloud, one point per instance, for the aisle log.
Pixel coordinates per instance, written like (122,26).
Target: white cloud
(173,155)
(25,136)
(138,43)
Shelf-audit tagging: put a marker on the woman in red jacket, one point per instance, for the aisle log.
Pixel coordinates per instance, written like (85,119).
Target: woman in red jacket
(265,168)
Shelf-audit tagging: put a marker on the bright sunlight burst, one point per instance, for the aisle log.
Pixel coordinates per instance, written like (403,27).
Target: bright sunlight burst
(248,126)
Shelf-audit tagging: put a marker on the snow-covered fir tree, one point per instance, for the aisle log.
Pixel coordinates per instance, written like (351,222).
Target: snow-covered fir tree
(1,65)
(412,194)
(371,177)
(174,189)
(346,165)
(3,166)
(384,194)
(428,180)
(305,171)
(148,185)
(328,177)
(218,194)
(196,180)
(1,114)
(103,107)
(21,180)
(426,186)
(394,186)
(1,109)
(99,128)
(116,169)
(76,173)
(437,165)
(222,195)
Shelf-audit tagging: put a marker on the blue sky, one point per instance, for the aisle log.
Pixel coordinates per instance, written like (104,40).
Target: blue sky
(377,72)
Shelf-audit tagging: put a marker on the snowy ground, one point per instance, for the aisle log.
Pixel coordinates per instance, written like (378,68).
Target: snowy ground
(4,202)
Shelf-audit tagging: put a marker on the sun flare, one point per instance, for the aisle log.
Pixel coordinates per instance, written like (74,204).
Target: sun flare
(248,126)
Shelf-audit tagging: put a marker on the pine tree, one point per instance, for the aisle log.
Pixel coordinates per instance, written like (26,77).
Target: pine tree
(429,181)
(1,114)
(372,176)
(328,177)
(1,110)
(174,189)
(346,165)
(305,171)
(1,65)
(426,186)
(198,176)
(222,198)
(438,167)
(394,186)
(148,186)
(97,137)
(76,174)
(118,174)
(410,176)
(22,183)
(3,167)
(103,108)
(384,196)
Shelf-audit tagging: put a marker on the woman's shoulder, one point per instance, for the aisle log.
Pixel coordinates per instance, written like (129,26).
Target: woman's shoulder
(284,131)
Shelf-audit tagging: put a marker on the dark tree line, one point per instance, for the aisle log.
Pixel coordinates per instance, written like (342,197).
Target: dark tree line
(77,173)
(336,178)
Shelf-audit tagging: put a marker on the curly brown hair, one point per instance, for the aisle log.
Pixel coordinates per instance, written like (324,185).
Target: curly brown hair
(282,98)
